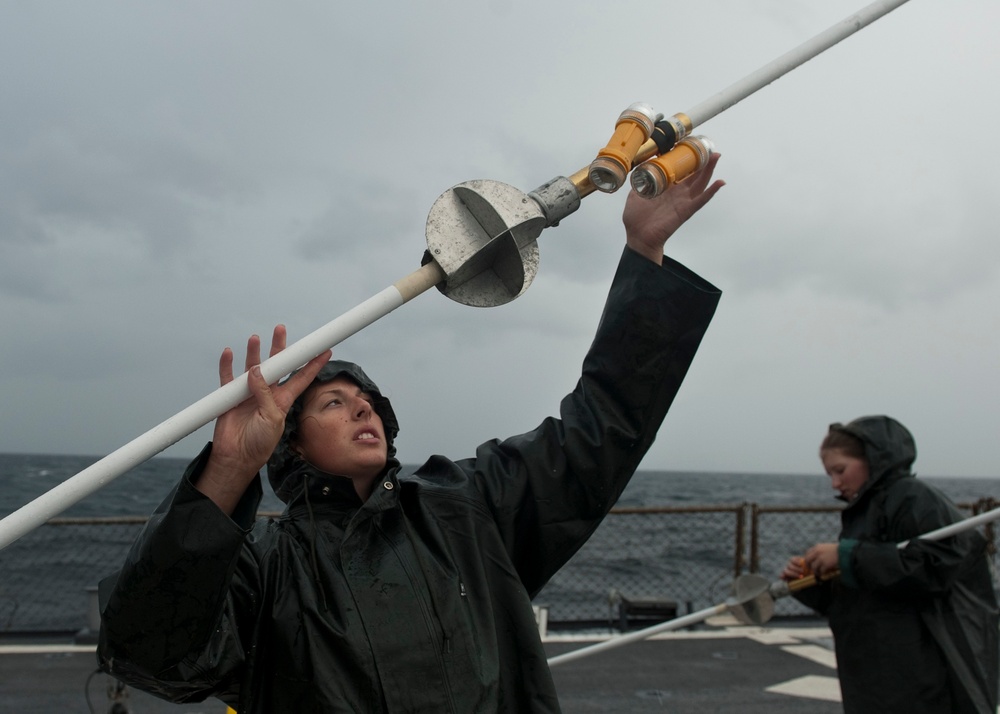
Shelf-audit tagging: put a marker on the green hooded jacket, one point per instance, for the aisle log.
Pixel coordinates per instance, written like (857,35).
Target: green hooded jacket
(418,599)
(915,628)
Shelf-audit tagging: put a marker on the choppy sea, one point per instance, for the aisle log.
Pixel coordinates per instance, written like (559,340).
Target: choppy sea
(24,477)
(644,546)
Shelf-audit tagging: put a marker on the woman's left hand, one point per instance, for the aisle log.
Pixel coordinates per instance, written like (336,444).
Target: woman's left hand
(823,559)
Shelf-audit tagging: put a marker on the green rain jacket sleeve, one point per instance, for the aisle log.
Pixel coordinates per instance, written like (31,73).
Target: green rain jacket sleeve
(550,488)
(920,569)
(162,615)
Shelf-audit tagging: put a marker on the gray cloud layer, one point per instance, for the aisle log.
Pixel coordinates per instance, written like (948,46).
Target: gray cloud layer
(176,176)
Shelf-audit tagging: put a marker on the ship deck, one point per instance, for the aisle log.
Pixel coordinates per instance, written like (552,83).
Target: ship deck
(718,666)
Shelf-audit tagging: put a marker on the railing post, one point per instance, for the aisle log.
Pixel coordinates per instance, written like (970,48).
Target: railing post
(741,518)
(754,538)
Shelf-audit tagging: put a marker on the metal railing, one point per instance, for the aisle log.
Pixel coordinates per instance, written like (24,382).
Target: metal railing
(689,557)
(649,558)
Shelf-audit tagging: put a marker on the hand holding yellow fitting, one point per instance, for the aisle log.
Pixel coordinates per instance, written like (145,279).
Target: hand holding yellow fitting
(651,178)
(614,161)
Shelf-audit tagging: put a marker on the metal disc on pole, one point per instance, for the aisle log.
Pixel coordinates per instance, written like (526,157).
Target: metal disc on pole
(780,588)
(482,234)
(752,599)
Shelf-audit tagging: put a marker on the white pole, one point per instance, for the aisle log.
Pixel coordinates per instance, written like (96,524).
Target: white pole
(782,588)
(708,612)
(790,60)
(674,624)
(99,474)
(957,527)
(200,413)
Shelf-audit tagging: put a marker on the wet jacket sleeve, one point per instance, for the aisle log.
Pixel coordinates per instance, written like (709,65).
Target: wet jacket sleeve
(922,567)
(162,614)
(550,488)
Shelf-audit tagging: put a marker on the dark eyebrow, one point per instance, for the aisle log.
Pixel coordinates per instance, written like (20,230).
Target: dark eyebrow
(336,391)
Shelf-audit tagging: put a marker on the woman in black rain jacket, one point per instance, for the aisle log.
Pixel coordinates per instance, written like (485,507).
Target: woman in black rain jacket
(376,592)
(915,628)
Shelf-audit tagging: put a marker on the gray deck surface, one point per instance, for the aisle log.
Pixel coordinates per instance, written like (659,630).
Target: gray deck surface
(713,669)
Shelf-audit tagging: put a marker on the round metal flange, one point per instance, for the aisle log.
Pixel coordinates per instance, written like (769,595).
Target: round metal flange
(751,602)
(483,235)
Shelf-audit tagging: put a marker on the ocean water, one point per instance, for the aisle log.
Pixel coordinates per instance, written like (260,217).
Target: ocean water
(686,556)
(24,477)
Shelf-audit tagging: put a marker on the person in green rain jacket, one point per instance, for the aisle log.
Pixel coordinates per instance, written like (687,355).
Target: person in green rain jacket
(378,592)
(915,628)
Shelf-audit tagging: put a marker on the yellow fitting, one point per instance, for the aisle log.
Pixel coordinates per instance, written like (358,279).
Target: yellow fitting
(614,161)
(581,180)
(651,178)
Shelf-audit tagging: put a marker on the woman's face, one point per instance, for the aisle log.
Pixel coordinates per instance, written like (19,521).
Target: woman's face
(340,432)
(847,473)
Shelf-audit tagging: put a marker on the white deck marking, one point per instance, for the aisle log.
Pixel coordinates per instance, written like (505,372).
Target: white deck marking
(45,649)
(810,687)
(816,653)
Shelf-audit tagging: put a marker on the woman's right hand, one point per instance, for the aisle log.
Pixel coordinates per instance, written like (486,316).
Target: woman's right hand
(245,436)
(795,569)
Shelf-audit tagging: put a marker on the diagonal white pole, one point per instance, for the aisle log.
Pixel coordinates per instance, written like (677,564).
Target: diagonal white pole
(200,413)
(956,527)
(674,624)
(742,89)
(696,617)
(206,409)
(782,588)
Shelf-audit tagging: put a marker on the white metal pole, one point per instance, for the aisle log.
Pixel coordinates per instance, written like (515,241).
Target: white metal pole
(674,624)
(742,89)
(700,615)
(957,527)
(99,474)
(200,413)
(781,588)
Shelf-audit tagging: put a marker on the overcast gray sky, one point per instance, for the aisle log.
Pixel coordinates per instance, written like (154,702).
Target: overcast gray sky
(175,176)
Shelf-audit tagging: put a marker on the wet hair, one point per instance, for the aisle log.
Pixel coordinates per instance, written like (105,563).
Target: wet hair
(843,441)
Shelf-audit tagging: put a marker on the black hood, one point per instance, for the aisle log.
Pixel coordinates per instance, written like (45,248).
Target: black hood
(889,447)
(285,461)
